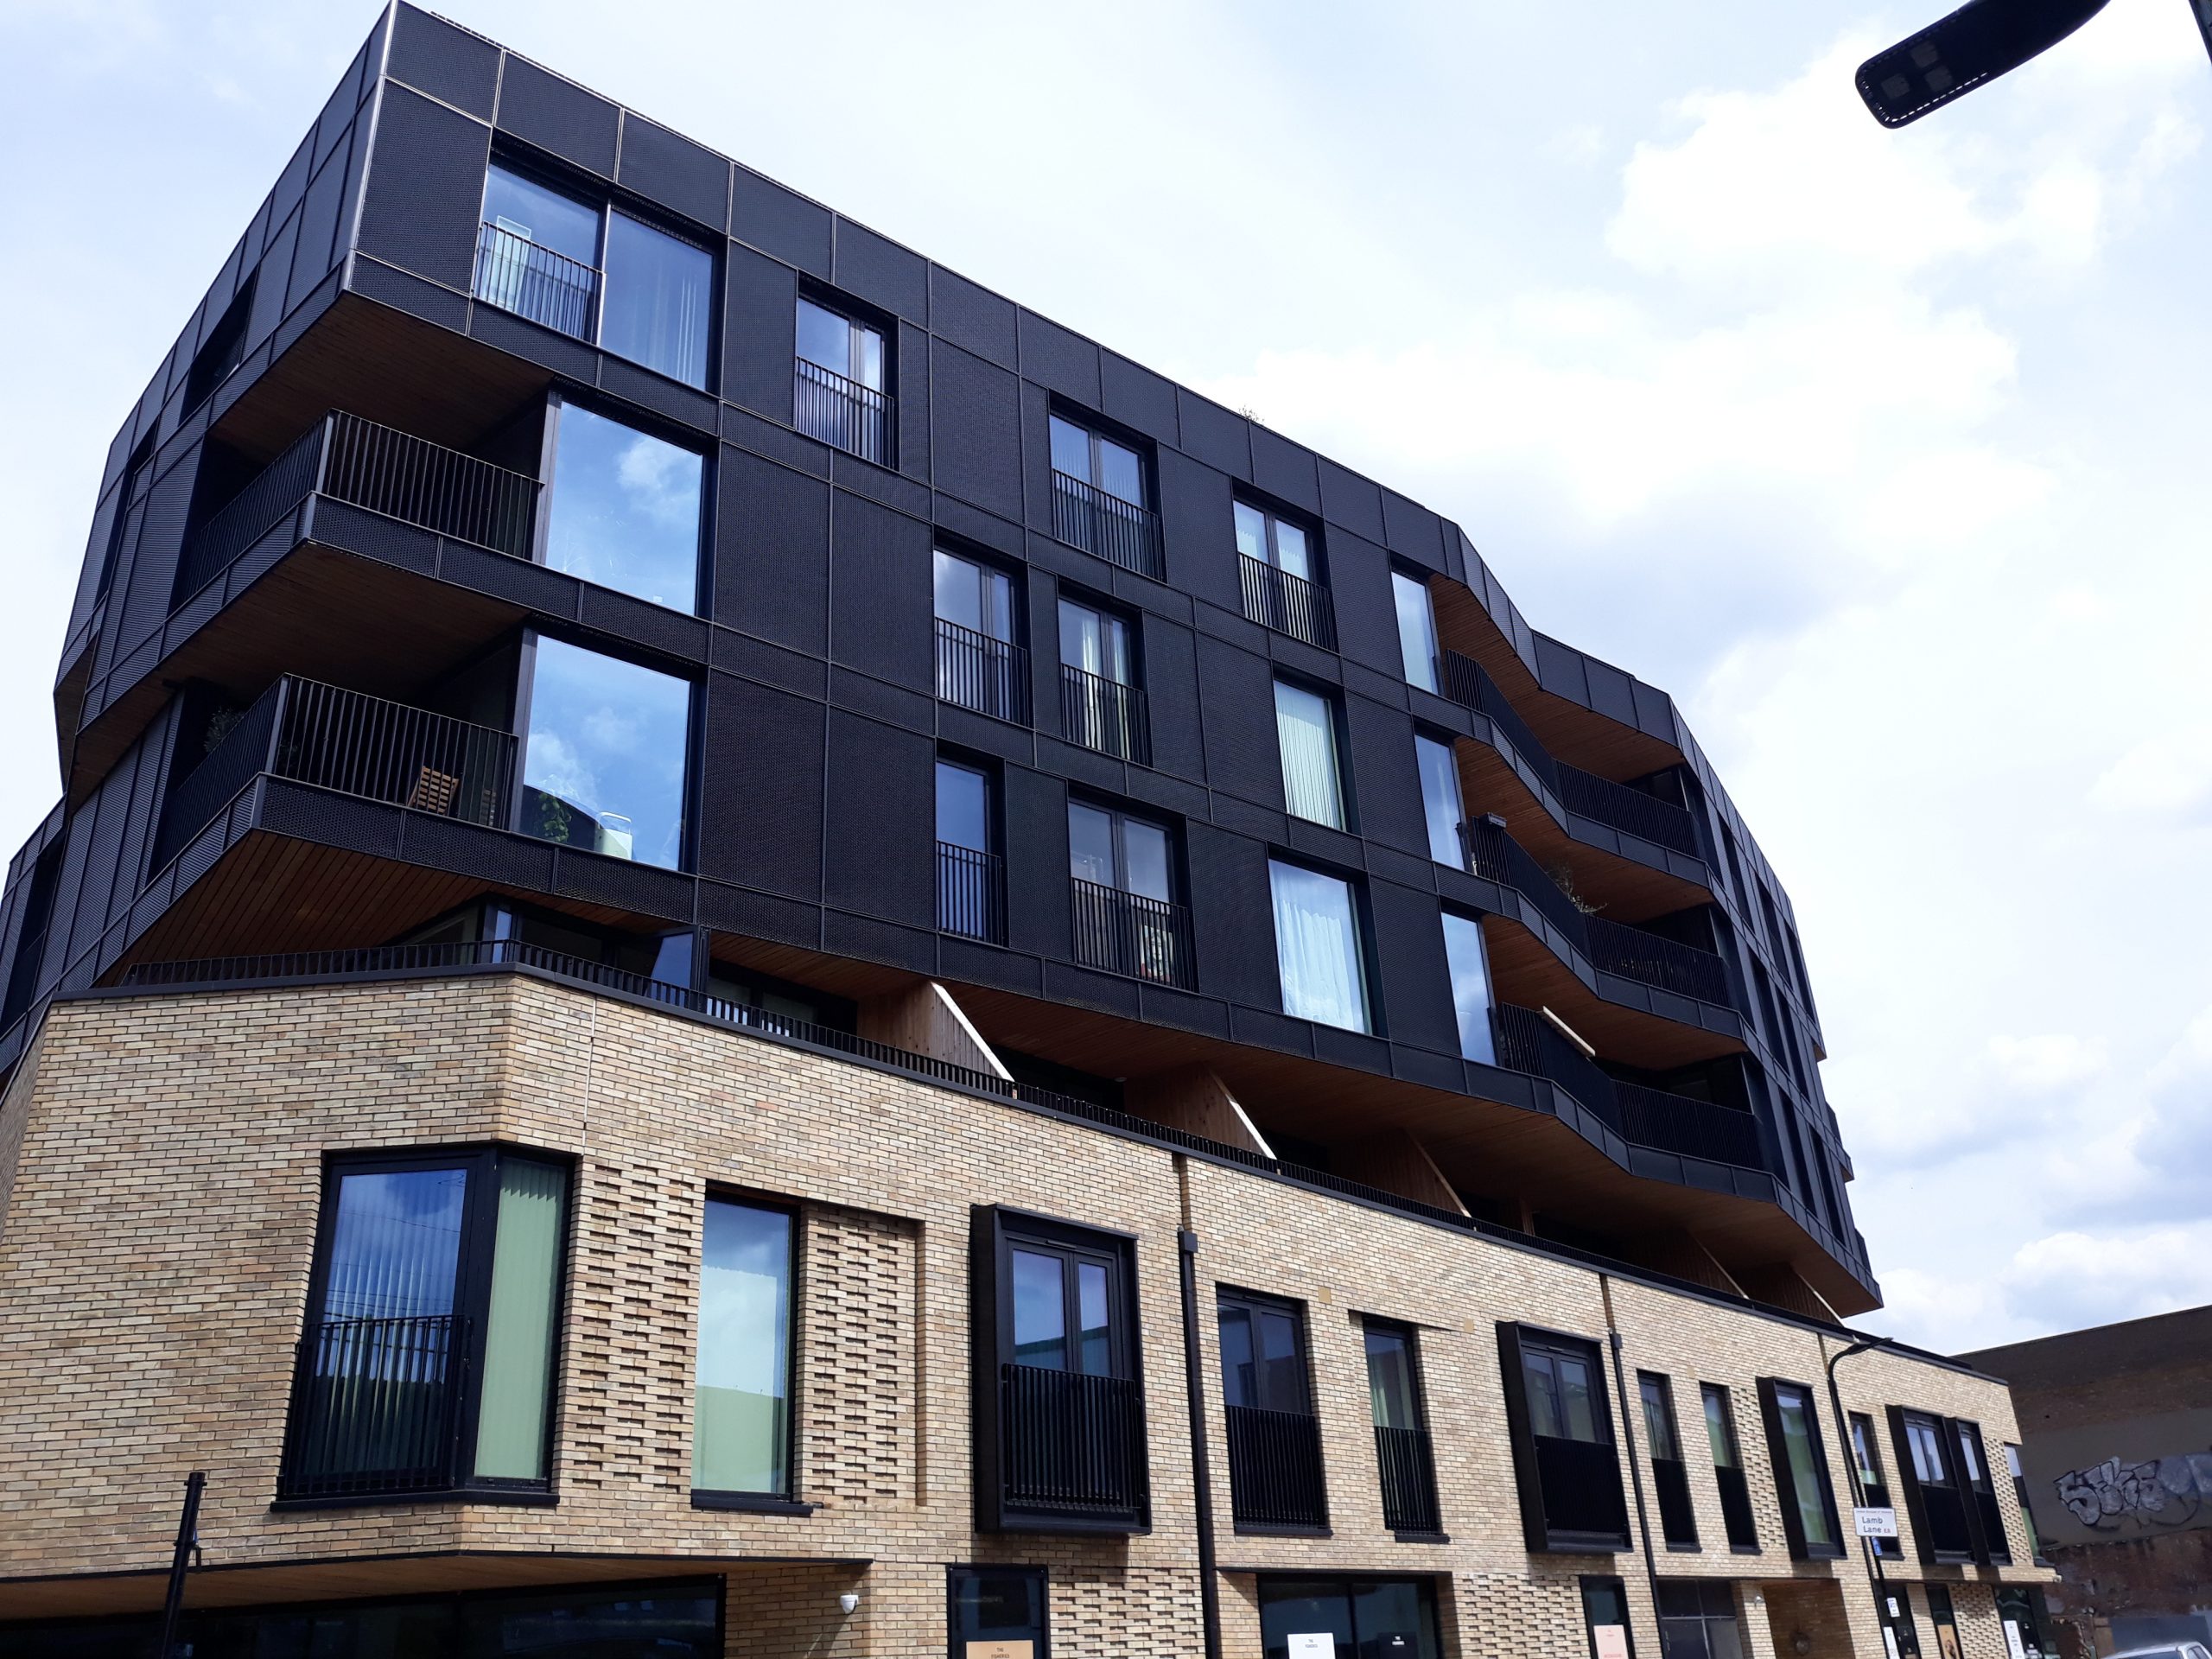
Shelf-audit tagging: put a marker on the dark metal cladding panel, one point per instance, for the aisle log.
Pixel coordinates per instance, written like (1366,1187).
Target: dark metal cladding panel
(772,554)
(291,186)
(374,280)
(642,623)
(1137,397)
(152,569)
(510,861)
(558,115)
(910,382)
(1219,437)
(666,168)
(105,816)
(1416,983)
(1366,609)
(877,270)
(1559,668)
(1237,695)
(780,222)
(425,189)
(734,910)
(450,64)
(965,962)
(761,324)
(972,318)
(617,881)
(910,948)
(1197,523)
(1063,361)
(978,432)
(1380,747)
(1232,916)
(1413,532)
(1036,862)
(1171,689)
(880,585)
(1612,692)
(756,659)
(881,835)
(317,249)
(1285,469)
(760,805)
(533,344)
(658,392)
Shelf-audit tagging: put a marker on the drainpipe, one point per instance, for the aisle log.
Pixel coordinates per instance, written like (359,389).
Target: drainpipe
(1877,1580)
(1635,1466)
(1201,1477)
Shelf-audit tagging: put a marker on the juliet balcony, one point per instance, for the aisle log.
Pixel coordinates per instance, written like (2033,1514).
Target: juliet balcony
(1119,531)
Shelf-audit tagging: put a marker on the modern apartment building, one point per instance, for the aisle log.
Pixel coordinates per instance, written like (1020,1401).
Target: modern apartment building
(749,954)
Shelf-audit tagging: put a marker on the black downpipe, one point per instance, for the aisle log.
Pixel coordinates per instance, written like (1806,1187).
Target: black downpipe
(1635,1467)
(1201,1476)
(187,1546)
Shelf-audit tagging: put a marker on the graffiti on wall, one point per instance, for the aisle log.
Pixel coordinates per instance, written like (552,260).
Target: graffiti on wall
(2155,1492)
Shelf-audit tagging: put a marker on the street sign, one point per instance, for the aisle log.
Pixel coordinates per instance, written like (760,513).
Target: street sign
(1875,1523)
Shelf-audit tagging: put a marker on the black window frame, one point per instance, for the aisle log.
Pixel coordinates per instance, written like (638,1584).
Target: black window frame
(559,396)
(1090,518)
(1309,618)
(855,314)
(1785,1481)
(2038,1553)
(1739,1519)
(1670,1479)
(138,470)
(1332,698)
(787,1502)
(992,871)
(1604,1584)
(1099,429)
(1290,1499)
(1870,1480)
(222,349)
(1984,1516)
(472,1301)
(1007,685)
(1041,1578)
(1955,1547)
(1419,1454)
(1131,716)
(1515,1341)
(994,1231)
(1362,922)
(1702,1593)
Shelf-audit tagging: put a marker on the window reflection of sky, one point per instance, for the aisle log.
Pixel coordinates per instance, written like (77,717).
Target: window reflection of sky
(605,765)
(625,510)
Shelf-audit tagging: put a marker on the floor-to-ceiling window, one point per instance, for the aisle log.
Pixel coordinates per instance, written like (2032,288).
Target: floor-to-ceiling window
(605,755)
(741,1431)
(1468,962)
(623,509)
(1317,950)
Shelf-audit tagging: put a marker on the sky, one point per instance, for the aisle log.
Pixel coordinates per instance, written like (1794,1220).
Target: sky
(1883,452)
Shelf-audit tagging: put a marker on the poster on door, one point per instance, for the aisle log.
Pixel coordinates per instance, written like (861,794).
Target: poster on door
(1610,1640)
(1312,1644)
(2013,1645)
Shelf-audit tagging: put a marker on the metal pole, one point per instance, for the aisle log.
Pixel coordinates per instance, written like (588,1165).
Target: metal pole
(188,1544)
(1201,1477)
(1876,1581)
(1635,1468)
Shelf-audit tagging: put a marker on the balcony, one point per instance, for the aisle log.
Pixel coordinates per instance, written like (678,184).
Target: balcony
(1275,1470)
(1670,1481)
(1581,1485)
(1406,1461)
(1615,805)
(1072,1446)
(1289,604)
(975,670)
(376,1408)
(1527,1042)
(381,471)
(1119,531)
(841,413)
(1104,714)
(1129,934)
(356,744)
(970,893)
(549,288)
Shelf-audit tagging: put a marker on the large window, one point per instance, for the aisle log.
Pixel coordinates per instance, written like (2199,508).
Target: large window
(1670,1475)
(1728,1469)
(1060,1440)
(1317,950)
(978,665)
(605,755)
(1305,732)
(1416,630)
(1282,576)
(1873,1485)
(742,1426)
(1801,1471)
(1933,1496)
(1468,962)
(1991,1545)
(2027,1514)
(1126,918)
(1440,800)
(840,387)
(970,878)
(1565,1460)
(1404,1458)
(1349,1619)
(1697,1620)
(597,273)
(1274,1439)
(997,1610)
(1099,503)
(1101,706)
(625,508)
(427,1362)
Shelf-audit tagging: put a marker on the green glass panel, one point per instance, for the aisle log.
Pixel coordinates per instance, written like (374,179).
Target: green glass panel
(519,1332)
(741,1431)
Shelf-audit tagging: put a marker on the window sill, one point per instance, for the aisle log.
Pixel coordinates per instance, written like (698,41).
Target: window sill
(1674,1549)
(752,1504)
(1745,1549)
(448,1494)
(1422,1537)
(1280,1529)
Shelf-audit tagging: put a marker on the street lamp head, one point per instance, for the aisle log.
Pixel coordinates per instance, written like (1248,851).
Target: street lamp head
(1980,42)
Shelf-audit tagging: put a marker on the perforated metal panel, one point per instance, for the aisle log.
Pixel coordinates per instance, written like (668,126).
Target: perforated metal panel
(445,62)
(977,429)
(427,188)
(558,115)
(762,804)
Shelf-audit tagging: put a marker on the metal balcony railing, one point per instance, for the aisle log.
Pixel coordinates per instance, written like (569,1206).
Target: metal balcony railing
(1104,714)
(1129,934)
(1274,1468)
(1668,963)
(1736,1508)
(376,1408)
(1072,1444)
(517,274)
(842,413)
(1274,598)
(356,744)
(975,670)
(381,470)
(970,893)
(1582,1482)
(1469,685)
(1670,1483)
(1496,856)
(1118,531)
(1406,1461)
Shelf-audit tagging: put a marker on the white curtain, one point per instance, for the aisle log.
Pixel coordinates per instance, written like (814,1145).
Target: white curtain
(1317,947)
(1308,733)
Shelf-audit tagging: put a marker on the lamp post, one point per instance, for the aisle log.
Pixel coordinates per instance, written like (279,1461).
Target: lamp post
(1876,1581)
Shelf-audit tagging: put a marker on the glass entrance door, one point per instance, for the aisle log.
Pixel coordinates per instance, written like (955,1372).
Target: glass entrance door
(1348,1619)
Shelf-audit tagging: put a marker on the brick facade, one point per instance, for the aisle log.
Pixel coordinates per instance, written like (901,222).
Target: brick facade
(157,1228)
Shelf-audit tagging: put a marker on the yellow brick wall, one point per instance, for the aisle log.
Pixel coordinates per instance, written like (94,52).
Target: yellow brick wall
(157,1226)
